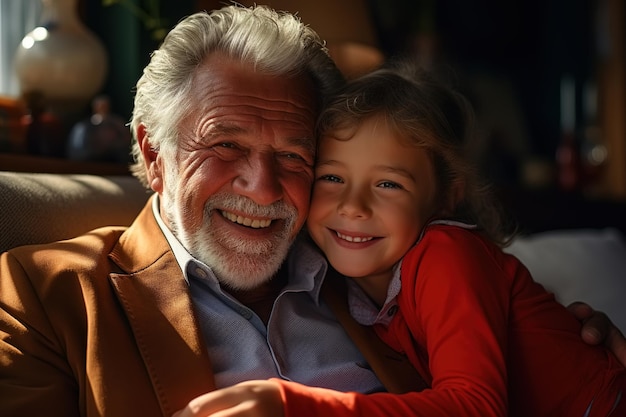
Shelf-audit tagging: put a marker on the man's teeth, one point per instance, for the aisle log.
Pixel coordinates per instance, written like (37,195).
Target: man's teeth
(254,223)
(355,239)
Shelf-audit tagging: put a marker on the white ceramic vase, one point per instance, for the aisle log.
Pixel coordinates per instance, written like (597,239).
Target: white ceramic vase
(62,59)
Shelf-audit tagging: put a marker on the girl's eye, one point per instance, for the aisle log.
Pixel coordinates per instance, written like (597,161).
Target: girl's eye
(389,184)
(330,178)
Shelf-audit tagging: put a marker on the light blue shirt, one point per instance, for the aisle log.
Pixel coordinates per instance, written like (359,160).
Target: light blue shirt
(302,342)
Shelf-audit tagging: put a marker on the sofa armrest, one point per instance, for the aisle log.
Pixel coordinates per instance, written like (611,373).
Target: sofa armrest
(40,208)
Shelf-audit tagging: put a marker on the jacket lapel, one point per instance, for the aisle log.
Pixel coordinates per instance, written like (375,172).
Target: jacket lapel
(155,297)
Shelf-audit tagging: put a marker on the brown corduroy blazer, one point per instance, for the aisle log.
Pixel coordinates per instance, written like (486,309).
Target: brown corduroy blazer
(103,324)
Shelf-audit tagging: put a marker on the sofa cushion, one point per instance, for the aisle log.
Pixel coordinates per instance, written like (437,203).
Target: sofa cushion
(579,265)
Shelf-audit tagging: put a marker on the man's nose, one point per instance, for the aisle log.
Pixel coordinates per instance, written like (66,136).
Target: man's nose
(259,179)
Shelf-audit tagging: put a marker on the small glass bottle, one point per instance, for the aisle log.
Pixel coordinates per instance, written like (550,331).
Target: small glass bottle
(103,137)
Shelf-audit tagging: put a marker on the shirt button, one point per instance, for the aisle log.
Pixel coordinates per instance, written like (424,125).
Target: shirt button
(246,314)
(392,310)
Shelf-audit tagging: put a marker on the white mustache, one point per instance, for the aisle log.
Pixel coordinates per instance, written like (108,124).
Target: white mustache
(229,203)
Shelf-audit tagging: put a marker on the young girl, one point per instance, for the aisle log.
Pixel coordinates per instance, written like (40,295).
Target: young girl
(398,209)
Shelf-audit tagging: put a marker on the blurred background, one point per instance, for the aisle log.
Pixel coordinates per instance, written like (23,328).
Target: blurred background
(547,80)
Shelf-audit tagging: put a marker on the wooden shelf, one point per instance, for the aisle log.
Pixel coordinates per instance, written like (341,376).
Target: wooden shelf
(612,85)
(29,163)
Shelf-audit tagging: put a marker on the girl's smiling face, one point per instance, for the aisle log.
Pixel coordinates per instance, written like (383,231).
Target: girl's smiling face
(373,193)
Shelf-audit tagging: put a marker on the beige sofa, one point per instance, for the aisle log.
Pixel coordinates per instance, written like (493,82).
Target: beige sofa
(584,263)
(39,208)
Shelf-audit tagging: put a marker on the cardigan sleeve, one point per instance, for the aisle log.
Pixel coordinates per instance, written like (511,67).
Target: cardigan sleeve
(455,299)
(304,401)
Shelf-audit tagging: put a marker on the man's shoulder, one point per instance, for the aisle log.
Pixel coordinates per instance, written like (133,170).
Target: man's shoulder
(93,245)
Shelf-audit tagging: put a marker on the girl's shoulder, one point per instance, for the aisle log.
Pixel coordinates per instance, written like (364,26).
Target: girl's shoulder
(450,255)
(450,232)
(452,243)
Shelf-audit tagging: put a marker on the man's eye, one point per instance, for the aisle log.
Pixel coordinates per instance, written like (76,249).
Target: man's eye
(227,145)
(295,160)
(291,155)
(218,146)
(329,178)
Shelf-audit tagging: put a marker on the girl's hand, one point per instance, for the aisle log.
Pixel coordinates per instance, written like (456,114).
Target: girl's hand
(246,399)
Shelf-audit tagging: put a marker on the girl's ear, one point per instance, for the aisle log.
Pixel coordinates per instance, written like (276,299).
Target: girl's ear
(457,191)
(455,196)
(151,158)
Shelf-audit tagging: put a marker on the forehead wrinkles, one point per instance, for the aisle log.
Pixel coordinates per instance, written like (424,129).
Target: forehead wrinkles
(226,108)
(301,104)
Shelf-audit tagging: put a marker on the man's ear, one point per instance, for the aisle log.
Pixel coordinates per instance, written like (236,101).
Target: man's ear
(151,158)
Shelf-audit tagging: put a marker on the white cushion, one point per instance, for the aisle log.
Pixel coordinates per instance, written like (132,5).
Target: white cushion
(579,265)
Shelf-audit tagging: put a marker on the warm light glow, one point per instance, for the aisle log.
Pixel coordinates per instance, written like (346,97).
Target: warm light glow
(38,34)
(28,42)
(598,155)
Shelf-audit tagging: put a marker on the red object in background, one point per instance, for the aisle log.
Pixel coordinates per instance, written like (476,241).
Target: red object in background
(568,163)
(12,130)
(44,131)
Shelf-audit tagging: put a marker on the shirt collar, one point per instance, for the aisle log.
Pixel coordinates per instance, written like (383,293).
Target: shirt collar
(307,267)
(365,311)
(183,257)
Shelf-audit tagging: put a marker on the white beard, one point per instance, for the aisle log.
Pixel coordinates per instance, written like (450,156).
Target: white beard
(240,265)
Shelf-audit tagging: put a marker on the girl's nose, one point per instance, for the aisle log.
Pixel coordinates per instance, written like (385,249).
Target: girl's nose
(355,204)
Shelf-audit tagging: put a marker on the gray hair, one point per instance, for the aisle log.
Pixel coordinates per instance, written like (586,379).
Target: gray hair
(274,42)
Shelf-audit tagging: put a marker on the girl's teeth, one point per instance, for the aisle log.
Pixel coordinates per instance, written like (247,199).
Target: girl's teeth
(354,239)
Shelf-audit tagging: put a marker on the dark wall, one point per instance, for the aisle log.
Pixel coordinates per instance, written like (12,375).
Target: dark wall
(129,43)
(533,43)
